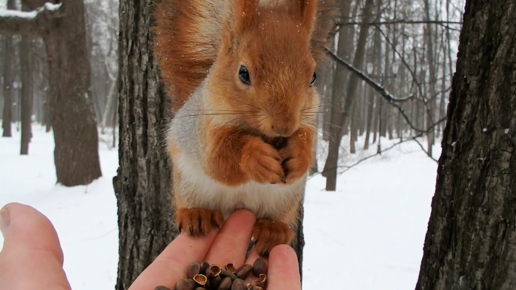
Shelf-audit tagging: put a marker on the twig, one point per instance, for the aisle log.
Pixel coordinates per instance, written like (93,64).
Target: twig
(383,92)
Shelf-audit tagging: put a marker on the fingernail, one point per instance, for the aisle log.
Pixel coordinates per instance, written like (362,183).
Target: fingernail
(5,220)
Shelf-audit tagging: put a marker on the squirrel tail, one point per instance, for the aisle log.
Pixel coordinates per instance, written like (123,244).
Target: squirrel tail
(187,35)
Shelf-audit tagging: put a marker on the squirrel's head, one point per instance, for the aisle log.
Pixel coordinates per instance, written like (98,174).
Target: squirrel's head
(265,69)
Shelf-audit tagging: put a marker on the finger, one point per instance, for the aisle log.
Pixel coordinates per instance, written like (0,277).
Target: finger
(31,257)
(172,264)
(232,242)
(253,255)
(283,273)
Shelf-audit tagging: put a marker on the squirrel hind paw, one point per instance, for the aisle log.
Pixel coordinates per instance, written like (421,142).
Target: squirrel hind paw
(197,221)
(267,234)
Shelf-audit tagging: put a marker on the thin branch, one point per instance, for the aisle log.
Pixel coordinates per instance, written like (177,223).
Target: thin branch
(28,23)
(348,167)
(401,21)
(383,92)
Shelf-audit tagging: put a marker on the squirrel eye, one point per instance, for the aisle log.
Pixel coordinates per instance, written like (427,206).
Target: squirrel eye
(243,75)
(314,77)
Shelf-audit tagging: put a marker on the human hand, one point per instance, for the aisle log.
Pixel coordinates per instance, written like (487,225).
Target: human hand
(32,257)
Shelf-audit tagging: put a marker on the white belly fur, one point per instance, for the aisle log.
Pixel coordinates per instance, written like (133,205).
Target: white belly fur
(197,189)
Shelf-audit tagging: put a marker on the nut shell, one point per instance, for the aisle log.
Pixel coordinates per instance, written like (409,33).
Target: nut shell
(215,282)
(200,279)
(259,267)
(225,284)
(238,284)
(185,284)
(244,271)
(225,273)
(204,267)
(231,268)
(260,282)
(194,269)
(213,271)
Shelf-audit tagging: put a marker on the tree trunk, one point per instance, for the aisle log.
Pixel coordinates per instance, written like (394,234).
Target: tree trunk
(26,68)
(9,64)
(432,79)
(73,119)
(69,100)
(370,107)
(342,120)
(344,49)
(471,241)
(143,183)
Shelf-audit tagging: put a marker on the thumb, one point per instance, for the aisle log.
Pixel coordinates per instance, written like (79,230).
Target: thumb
(31,257)
(283,270)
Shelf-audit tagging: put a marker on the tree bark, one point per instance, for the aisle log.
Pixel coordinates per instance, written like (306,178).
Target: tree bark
(344,49)
(143,183)
(471,241)
(27,96)
(73,118)
(7,115)
(341,118)
(432,79)
(63,30)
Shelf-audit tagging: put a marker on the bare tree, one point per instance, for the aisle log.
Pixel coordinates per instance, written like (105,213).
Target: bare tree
(8,79)
(63,31)
(471,242)
(26,68)
(343,115)
(142,185)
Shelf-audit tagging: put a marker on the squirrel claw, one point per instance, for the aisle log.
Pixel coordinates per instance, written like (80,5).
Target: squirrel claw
(197,221)
(267,234)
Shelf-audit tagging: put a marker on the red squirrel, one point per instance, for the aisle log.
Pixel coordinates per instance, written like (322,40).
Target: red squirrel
(240,74)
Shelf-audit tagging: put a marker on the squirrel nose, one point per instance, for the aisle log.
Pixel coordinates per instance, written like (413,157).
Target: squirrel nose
(283,131)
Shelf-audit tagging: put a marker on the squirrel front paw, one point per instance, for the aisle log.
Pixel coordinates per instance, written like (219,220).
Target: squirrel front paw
(198,221)
(297,156)
(267,234)
(261,162)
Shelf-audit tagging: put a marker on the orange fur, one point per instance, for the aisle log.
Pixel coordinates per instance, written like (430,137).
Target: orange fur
(279,43)
(268,234)
(198,221)
(298,155)
(187,38)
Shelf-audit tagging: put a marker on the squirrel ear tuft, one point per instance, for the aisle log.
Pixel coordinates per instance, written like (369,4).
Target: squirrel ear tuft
(245,14)
(308,10)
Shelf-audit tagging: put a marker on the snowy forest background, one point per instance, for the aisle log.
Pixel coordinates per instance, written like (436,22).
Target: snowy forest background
(384,90)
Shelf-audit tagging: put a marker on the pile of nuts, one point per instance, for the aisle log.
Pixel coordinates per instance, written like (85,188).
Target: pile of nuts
(203,276)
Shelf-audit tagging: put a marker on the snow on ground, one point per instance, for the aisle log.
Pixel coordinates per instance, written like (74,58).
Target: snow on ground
(84,216)
(367,235)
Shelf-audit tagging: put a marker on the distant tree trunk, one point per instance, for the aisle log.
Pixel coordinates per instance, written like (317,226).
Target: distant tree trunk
(353,130)
(432,78)
(143,183)
(370,107)
(73,119)
(8,80)
(26,68)
(342,120)
(471,241)
(344,49)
